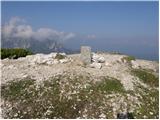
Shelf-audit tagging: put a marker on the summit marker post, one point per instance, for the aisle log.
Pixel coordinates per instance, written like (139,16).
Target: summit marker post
(86,54)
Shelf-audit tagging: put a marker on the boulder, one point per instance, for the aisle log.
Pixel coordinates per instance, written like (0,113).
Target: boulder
(46,59)
(107,64)
(101,59)
(6,59)
(52,55)
(63,60)
(55,61)
(96,65)
(135,65)
(64,54)
(49,62)
(39,59)
(98,58)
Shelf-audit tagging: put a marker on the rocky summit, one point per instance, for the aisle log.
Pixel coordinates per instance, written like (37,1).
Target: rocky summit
(57,85)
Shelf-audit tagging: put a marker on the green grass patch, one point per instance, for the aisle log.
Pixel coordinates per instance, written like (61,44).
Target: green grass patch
(146,77)
(15,89)
(128,58)
(110,85)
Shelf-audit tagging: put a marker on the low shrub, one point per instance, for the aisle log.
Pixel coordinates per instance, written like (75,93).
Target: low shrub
(14,53)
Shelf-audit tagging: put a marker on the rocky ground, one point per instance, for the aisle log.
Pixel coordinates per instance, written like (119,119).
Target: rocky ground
(61,86)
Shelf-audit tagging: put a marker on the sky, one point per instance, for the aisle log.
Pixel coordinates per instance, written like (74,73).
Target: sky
(127,27)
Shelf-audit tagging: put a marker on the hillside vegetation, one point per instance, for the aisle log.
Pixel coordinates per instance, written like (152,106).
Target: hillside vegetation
(14,53)
(57,85)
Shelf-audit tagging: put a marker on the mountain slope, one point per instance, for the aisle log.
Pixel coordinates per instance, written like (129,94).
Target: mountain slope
(33,89)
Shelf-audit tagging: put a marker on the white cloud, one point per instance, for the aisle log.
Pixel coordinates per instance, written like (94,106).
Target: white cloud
(23,31)
(16,28)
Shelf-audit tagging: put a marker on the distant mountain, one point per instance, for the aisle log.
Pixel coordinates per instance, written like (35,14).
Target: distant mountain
(36,46)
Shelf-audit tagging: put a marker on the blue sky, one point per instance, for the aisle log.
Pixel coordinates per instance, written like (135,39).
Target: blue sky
(127,27)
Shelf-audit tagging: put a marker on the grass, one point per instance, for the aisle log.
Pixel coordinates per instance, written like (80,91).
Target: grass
(14,90)
(29,100)
(146,77)
(46,100)
(128,58)
(110,85)
(150,103)
(59,56)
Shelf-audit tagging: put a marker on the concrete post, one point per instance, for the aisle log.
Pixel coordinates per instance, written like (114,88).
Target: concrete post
(86,54)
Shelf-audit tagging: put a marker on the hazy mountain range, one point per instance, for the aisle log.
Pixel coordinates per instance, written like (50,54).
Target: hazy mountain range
(35,46)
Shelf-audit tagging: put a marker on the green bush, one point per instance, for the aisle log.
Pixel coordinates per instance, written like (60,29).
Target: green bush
(14,53)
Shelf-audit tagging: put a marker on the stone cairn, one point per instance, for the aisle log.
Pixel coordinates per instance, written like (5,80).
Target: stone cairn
(86,54)
(91,59)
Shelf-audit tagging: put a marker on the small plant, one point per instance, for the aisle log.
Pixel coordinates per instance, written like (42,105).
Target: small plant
(128,59)
(59,56)
(146,77)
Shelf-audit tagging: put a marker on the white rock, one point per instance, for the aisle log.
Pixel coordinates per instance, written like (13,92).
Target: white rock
(42,59)
(98,58)
(64,54)
(101,59)
(15,115)
(96,65)
(21,58)
(134,64)
(11,66)
(6,59)
(52,55)
(107,64)
(102,115)
(55,61)
(151,113)
(124,61)
(49,62)
(63,60)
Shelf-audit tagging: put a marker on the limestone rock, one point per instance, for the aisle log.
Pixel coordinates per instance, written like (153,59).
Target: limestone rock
(98,58)
(107,64)
(52,55)
(55,61)
(135,64)
(64,54)
(96,65)
(63,60)
(46,59)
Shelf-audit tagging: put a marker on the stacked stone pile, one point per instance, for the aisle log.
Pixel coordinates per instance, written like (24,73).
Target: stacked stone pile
(97,60)
(48,59)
